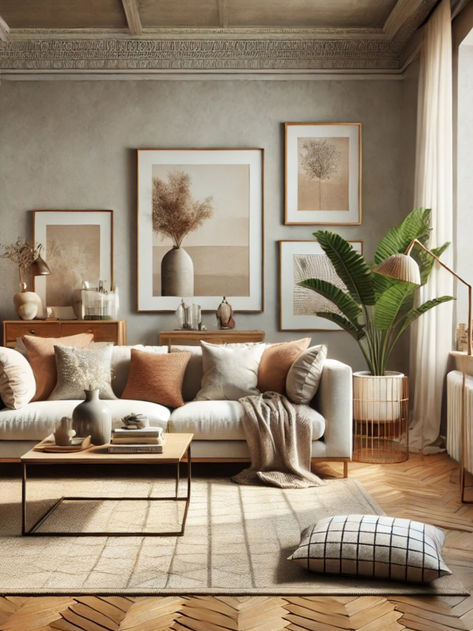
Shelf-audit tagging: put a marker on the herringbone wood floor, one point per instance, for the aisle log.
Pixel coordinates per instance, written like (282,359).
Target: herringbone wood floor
(424,488)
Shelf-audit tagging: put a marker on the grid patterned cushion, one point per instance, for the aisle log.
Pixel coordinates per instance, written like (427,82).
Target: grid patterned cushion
(373,545)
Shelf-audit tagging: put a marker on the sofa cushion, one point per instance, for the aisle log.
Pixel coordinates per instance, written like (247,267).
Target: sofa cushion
(121,363)
(17,382)
(42,359)
(221,420)
(230,370)
(303,378)
(194,371)
(275,364)
(39,418)
(156,377)
(80,369)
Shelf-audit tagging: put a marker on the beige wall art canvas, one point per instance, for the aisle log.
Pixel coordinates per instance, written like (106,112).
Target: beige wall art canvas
(77,247)
(323,173)
(300,260)
(199,228)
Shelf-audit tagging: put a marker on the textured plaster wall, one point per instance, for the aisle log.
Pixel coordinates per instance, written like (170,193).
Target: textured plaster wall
(71,145)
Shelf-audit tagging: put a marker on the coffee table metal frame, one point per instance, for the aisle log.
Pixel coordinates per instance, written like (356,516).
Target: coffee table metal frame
(33,530)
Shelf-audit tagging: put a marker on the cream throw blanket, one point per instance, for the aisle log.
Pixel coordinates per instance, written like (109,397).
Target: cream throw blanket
(279,441)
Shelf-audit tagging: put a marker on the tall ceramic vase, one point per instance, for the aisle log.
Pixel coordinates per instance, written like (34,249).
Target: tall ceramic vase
(177,273)
(93,417)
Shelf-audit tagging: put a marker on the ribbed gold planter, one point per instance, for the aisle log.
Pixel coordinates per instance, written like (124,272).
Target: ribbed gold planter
(381,418)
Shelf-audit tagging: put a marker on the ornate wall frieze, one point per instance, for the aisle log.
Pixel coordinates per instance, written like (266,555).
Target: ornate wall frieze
(197,54)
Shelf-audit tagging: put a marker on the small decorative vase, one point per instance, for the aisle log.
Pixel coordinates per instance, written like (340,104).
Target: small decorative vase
(64,432)
(177,273)
(28,304)
(93,417)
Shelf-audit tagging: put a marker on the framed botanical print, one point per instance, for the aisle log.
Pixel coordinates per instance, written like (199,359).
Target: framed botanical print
(300,260)
(323,173)
(200,228)
(78,246)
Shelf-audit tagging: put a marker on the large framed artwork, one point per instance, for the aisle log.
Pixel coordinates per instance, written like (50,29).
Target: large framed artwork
(323,173)
(78,246)
(200,228)
(299,260)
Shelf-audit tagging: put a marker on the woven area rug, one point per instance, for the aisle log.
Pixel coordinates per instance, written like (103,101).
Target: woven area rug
(237,541)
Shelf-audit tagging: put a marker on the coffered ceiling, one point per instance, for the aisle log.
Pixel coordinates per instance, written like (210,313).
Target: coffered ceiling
(150,36)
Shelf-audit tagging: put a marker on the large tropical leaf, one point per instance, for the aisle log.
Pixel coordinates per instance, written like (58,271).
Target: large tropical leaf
(343,301)
(415,226)
(390,303)
(356,331)
(350,266)
(426,262)
(415,313)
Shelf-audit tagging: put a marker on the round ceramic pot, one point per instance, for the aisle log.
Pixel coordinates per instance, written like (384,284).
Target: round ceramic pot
(93,417)
(377,398)
(177,273)
(28,305)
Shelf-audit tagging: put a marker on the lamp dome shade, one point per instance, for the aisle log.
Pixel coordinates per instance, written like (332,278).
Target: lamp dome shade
(401,267)
(39,267)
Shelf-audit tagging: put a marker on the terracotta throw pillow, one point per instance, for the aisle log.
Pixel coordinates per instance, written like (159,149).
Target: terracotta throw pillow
(43,361)
(157,378)
(275,364)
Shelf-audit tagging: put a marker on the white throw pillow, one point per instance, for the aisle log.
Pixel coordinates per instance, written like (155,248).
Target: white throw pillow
(17,382)
(373,545)
(303,378)
(230,371)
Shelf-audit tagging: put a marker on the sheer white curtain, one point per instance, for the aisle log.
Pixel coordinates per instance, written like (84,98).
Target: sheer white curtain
(431,340)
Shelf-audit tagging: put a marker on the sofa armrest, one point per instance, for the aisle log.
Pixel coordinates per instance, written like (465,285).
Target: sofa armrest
(334,400)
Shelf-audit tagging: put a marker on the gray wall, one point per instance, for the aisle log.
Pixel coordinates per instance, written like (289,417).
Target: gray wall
(71,145)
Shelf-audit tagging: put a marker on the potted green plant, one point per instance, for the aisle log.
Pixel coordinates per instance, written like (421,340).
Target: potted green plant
(375,309)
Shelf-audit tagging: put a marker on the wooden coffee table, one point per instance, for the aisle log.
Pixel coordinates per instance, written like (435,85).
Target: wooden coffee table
(177,448)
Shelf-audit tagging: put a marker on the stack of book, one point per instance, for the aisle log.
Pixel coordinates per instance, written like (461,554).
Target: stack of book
(143,440)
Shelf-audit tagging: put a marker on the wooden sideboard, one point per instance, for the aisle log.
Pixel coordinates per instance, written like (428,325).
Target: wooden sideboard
(103,330)
(221,336)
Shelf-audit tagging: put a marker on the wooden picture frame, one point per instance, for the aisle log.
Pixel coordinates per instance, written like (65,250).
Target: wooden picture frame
(78,246)
(323,174)
(223,255)
(297,305)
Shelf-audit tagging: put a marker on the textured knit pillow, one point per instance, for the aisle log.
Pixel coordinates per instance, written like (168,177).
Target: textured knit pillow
(303,378)
(42,359)
(230,371)
(17,382)
(121,356)
(275,364)
(373,545)
(156,377)
(80,369)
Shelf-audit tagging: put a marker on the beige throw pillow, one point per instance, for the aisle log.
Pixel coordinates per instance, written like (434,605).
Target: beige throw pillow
(303,378)
(17,382)
(230,371)
(80,369)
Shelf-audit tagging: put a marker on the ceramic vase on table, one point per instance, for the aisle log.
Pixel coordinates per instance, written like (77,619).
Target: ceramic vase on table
(177,273)
(64,432)
(28,304)
(93,417)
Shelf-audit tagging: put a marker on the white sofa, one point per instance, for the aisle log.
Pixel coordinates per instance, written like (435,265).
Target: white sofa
(216,425)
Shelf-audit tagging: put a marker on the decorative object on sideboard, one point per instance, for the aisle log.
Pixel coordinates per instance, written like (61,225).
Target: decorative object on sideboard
(225,315)
(175,215)
(28,258)
(210,201)
(98,302)
(64,432)
(375,309)
(402,267)
(78,244)
(93,417)
(189,317)
(323,173)
(461,337)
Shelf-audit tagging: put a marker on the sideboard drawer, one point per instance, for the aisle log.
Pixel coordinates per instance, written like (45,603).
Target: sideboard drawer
(31,327)
(103,331)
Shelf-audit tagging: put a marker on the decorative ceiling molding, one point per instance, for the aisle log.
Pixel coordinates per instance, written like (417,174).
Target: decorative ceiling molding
(223,49)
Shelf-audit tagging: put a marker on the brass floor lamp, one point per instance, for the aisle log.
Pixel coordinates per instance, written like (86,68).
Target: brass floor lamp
(404,267)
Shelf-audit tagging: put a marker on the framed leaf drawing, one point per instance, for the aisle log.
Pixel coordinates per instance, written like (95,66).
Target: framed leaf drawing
(323,173)
(299,260)
(200,228)
(78,246)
